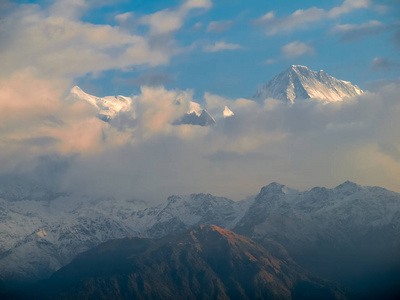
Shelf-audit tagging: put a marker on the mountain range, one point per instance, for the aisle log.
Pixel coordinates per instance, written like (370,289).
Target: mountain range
(349,234)
(295,83)
(281,239)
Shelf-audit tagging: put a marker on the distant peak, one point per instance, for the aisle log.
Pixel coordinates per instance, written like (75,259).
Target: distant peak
(194,118)
(207,117)
(272,187)
(299,83)
(347,185)
(298,67)
(276,188)
(227,112)
(76,89)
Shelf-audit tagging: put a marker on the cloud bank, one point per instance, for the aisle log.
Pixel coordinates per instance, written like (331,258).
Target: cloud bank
(146,157)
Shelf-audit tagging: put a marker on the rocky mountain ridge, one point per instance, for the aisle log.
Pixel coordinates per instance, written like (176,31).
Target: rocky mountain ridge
(39,237)
(300,83)
(206,262)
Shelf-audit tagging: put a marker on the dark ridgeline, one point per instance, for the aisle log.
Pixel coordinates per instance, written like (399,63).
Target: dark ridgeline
(205,263)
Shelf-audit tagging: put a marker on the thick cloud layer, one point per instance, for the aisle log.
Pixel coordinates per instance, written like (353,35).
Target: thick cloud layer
(143,156)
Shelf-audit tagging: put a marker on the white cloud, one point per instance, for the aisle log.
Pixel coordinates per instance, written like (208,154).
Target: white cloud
(355,140)
(57,46)
(297,20)
(348,6)
(52,41)
(219,26)
(170,20)
(300,19)
(190,4)
(296,49)
(121,18)
(221,46)
(158,108)
(163,22)
(70,9)
(37,112)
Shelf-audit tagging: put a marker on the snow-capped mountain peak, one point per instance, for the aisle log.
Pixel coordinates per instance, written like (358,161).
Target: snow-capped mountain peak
(227,112)
(108,106)
(194,107)
(40,235)
(299,83)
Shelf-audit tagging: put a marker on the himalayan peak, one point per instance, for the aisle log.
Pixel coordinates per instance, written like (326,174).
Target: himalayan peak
(299,83)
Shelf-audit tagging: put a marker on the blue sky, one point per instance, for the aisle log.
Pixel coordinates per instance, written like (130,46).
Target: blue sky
(257,54)
(237,73)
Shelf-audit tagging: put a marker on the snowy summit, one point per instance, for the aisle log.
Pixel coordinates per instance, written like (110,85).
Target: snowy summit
(227,112)
(108,106)
(299,82)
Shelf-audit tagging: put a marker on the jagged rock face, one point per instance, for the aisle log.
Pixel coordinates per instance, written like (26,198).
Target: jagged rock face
(299,83)
(207,262)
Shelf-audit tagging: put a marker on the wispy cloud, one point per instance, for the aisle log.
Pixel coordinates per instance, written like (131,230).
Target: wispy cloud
(384,64)
(348,6)
(301,19)
(356,32)
(170,20)
(219,26)
(296,49)
(221,46)
(270,61)
(148,79)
